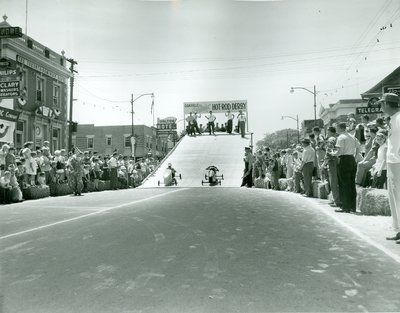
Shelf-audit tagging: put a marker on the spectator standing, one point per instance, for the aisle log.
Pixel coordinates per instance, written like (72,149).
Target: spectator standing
(28,164)
(242,123)
(275,171)
(9,159)
(211,123)
(3,153)
(378,171)
(307,166)
(332,162)
(113,166)
(75,166)
(46,166)
(347,167)
(230,117)
(297,172)
(247,179)
(390,104)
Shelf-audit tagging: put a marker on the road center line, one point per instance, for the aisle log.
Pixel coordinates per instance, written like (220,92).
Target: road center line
(87,215)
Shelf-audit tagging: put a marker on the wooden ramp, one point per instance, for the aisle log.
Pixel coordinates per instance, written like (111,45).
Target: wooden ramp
(194,154)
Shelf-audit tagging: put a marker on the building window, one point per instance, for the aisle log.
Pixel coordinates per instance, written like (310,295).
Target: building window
(127,141)
(39,88)
(30,43)
(56,95)
(56,138)
(47,53)
(90,142)
(108,140)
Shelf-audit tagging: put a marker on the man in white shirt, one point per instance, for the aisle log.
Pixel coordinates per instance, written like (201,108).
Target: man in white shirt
(242,123)
(230,117)
(113,165)
(390,104)
(346,148)
(307,166)
(211,119)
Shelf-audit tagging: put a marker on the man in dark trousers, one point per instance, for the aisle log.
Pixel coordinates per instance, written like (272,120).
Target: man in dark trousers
(307,166)
(230,117)
(242,123)
(247,179)
(211,122)
(347,167)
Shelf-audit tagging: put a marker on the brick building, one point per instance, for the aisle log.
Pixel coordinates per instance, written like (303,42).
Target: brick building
(43,100)
(106,139)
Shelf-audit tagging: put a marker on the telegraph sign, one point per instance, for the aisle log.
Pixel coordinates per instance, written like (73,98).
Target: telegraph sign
(368,110)
(10,32)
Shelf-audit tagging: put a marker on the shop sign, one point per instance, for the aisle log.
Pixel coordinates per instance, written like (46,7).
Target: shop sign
(392,89)
(168,123)
(368,110)
(10,32)
(9,89)
(215,106)
(8,114)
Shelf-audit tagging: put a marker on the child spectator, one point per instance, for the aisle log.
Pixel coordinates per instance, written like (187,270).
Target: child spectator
(5,188)
(378,171)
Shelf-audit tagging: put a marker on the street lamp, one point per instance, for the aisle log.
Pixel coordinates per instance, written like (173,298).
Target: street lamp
(297,122)
(314,93)
(133,141)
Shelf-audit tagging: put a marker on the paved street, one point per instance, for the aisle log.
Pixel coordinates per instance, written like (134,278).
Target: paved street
(188,250)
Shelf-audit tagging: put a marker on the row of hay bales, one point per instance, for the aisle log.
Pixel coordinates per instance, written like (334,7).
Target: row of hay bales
(370,201)
(56,190)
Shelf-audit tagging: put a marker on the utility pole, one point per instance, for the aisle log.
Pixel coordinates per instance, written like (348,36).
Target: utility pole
(71,102)
(315,106)
(133,141)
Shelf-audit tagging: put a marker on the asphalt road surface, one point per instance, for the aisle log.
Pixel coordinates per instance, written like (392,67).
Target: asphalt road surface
(188,250)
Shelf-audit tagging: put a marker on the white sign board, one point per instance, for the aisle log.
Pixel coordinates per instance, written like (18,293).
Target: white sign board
(215,106)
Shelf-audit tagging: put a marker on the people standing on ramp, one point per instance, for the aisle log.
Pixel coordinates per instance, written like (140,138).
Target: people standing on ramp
(242,123)
(191,121)
(195,125)
(211,119)
(230,117)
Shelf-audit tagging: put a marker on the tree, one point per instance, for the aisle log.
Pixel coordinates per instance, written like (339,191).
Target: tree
(281,139)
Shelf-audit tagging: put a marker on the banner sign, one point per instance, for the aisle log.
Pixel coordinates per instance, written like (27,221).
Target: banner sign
(9,89)
(215,106)
(37,67)
(368,110)
(8,114)
(392,89)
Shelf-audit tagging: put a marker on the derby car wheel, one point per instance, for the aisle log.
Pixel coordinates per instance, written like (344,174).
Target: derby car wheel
(180,176)
(158,183)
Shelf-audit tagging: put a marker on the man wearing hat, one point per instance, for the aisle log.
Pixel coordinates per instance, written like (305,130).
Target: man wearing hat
(247,179)
(390,105)
(307,166)
(346,148)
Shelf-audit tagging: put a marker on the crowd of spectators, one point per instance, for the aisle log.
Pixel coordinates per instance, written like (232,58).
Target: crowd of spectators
(317,152)
(41,168)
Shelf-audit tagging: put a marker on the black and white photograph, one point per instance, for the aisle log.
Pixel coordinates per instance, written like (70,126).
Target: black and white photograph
(199,156)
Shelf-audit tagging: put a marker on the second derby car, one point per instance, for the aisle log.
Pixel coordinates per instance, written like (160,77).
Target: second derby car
(211,176)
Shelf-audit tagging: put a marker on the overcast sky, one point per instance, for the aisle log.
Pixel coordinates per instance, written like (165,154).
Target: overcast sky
(198,50)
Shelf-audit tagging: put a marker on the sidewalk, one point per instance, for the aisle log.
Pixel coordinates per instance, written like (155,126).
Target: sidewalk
(372,229)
